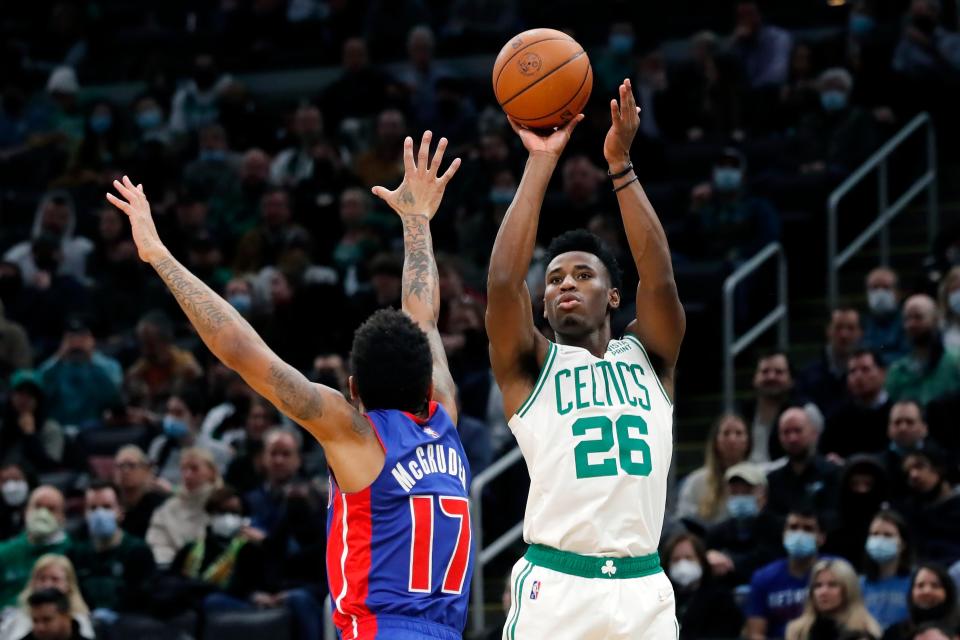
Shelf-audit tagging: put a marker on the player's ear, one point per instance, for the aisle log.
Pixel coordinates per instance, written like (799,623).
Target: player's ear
(354,391)
(614,298)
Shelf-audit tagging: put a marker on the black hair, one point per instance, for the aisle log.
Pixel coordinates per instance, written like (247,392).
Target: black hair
(50,596)
(938,457)
(100,485)
(220,497)
(391,362)
(859,352)
(582,240)
(942,612)
(190,396)
(905,562)
(804,509)
(766,354)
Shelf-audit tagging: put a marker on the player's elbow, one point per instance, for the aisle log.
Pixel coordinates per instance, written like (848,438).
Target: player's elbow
(230,349)
(502,281)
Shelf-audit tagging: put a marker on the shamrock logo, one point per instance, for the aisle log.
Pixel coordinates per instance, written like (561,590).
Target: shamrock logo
(608,569)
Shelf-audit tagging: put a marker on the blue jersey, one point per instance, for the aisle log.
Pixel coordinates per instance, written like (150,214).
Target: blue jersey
(401,548)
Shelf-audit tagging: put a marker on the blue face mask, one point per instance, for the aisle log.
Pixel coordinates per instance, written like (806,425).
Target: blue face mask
(101,122)
(213,155)
(800,544)
(242,302)
(175,429)
(149,119)
(727,179)
(833,100)
(620,43)
(102,523)
(861,24)
(742,506)
(882,549)
(501,196)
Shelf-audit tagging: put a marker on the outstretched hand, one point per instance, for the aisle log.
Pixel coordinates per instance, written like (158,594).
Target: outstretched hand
(625,121)
(137,208)
(552,144)
(422,190)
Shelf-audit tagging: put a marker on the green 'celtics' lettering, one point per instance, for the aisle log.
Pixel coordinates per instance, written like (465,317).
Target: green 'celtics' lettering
(601,384)
(628,446)
(580,385)
(562,409)
(645,400)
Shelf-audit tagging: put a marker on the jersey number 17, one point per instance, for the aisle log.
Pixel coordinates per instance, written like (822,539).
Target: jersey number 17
(421,543)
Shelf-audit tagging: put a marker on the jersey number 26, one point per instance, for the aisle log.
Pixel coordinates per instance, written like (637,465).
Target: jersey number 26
(627,445)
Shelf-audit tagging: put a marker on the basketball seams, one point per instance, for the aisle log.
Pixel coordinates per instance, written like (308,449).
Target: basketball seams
(496,80)
(588,74)
(544,77)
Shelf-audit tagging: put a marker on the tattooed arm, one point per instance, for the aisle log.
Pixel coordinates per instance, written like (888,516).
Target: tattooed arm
(352,449)
(416,201)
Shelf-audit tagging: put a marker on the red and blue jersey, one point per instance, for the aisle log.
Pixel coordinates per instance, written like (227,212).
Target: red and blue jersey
(402,547)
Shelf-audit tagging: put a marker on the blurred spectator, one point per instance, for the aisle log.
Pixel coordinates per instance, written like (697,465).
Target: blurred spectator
(703,497)
(50,617)
(58,113)
(887,565)
(883,325)
(148,116)
(295,163)
(215,172)
(387,23)
(137,490)
(763,50)
(799,95)
(360,91)
(779,589)
(751,536)
(860,423)
(246,470)
(51,571)
(806,478)
(825,381)
(382,164)
(113,567)
(14,489)
(834,605)
(708,93)
(104,147)
(81,382)
(195,104)
(56,221)
(705,607)
(162,366)
(181,519)
(43,533)
(950,309)
(237,216)
(933,504)
(358,242)
(863,491)
(906,431)
(933,631)
(456,115)
(421,74)
(267,503)
(28,436)
(15,351)
(609,63)
(725,223)
(481,22)
(181,432)
(928,371)
(932,599)
(926,50)
(205,260)
(263,244)
(579,198)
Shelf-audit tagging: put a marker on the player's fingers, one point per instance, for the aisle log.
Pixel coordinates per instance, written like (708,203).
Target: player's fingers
(118,203)
(438,156)
(424,150)
(408,165)
(451,170)
(516,126)
(381,192)
(124,191)
(631,99)
(614,111)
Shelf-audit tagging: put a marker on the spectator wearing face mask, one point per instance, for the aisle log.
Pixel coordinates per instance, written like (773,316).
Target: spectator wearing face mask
(14,489)
(181,431)
(929,371)
(705,607)
(55,573)
(44,533)
(883,325)
(950,309)
(932,599)
(215,172)
(887,565)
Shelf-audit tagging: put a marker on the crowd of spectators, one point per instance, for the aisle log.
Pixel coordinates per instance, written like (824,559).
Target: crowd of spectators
(132,462)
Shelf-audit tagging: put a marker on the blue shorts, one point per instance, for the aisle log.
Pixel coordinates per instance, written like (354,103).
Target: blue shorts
(403,628)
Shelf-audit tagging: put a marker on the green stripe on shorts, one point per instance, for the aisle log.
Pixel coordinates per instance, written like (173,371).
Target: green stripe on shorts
(512,629)
(599,567)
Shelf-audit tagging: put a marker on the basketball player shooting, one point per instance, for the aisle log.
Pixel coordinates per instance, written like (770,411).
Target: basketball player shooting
(593,415)
(399,545)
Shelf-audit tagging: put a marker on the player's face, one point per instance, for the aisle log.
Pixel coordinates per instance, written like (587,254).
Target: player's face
(578,297)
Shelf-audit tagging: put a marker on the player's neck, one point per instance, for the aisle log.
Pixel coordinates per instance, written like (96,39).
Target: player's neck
(595,341)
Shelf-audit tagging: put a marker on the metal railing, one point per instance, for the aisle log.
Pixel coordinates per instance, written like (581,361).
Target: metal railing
(485,554)
(885,212)
(733,346)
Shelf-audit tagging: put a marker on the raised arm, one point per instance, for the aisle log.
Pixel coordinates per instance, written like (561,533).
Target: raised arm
(517,349)
(416,201)
(348,441)
(661,321)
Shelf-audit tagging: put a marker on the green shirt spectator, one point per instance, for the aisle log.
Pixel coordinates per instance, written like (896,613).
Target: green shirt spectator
(928,371)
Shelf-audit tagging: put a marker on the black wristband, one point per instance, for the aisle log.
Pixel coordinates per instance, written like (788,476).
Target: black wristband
(626,170)
(627,184)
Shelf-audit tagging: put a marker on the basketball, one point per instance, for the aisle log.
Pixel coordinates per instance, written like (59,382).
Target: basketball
(542,78)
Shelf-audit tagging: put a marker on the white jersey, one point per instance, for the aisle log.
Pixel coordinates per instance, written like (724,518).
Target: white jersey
(597,437)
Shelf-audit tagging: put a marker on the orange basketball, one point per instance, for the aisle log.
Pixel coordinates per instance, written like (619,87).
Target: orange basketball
(542,78)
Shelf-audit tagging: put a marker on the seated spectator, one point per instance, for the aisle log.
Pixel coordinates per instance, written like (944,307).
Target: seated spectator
(928,371)
(360,91)
(932,600)
(27,435)
(15,350)
(181,519)
(941,416)
(806,477)
(887,566)
(215,172)
(382,163)
(860,422)
(181,431)
(81,382)
(359,242)
(246,470)
(50,617)
(420,76)
(162,366)
(825,381)
(113,567)
(267,503)
(703,497)
(778,590)
(705,608)
(43,533)
(863,491)
(137,490)
(933,503)
(906,431)
(950,309)
(927,51)
(262,245)
(933,631)
(195,104)
(14,489)
(883,325)
(834,605)
(50,572)
(295,163)
(763,50)
(750,537)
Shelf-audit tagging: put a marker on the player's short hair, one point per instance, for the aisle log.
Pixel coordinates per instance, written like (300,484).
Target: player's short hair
(391,362)
(581,240)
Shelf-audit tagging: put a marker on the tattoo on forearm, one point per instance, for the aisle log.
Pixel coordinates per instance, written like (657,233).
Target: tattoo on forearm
(297,395)
(205,309)
(420,270)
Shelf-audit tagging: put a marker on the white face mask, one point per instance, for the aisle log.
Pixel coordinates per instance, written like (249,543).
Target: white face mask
(226,525)
(15,492)
(881,300)
(685,572)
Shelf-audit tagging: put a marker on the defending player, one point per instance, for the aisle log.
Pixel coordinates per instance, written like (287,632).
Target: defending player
(399,544)
(592,415)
